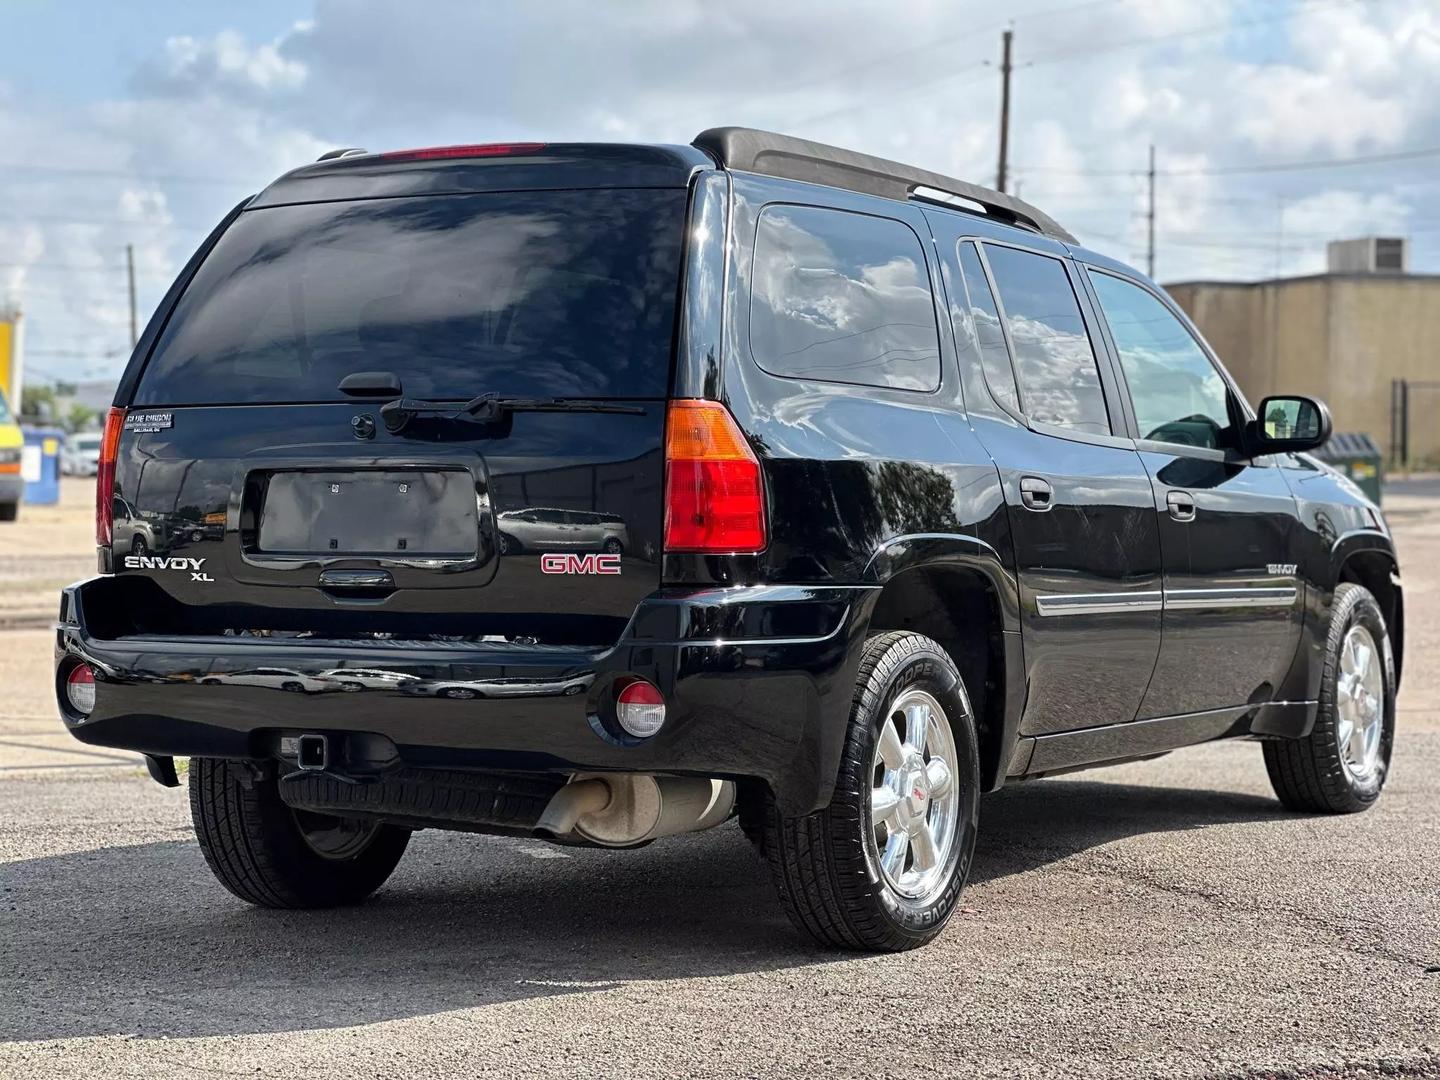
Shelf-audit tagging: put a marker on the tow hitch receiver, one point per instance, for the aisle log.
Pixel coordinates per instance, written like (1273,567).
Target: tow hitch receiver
(313,753)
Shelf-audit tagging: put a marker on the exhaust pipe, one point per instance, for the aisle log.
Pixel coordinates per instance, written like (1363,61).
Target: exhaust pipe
(624,809)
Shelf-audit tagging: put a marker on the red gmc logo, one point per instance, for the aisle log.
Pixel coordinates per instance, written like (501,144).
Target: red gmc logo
(580,564)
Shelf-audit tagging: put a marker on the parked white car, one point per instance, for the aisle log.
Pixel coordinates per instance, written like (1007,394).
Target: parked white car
(275,678)
(81,454)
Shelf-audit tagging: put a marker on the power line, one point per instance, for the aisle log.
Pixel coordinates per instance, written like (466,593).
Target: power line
(56,219)
(120,174)
(1077,53)
(888,59)
(1211,28)
(1235,170)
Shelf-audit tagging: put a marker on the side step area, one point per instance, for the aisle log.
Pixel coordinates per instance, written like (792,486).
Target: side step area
(438,798)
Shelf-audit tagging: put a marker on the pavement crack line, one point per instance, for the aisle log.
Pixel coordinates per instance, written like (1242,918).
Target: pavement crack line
(1100,865)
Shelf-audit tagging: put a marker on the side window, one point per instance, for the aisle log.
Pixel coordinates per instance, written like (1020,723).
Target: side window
(1178,395)
(1059,382)
(844,298)
(989,336)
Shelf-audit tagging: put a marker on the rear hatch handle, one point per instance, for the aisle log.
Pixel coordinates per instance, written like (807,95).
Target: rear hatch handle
(489,408)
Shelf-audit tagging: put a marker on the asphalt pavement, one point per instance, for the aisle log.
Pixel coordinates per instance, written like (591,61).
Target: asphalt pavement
(1160,919)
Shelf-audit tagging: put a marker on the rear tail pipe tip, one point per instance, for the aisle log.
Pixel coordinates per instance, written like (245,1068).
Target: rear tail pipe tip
(623,809)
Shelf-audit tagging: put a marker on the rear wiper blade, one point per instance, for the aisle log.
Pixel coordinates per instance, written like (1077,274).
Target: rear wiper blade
(488,408)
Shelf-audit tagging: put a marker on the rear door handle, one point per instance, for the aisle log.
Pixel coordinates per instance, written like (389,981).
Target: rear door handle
(1181,504)
(1036,494)
(356,579)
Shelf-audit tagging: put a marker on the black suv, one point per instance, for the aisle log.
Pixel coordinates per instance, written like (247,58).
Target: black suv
(919,497)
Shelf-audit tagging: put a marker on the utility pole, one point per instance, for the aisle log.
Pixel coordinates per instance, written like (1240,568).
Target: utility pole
(130,269)
(1150,219)
(1003,169)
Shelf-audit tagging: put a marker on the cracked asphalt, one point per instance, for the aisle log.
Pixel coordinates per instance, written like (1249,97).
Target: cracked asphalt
(1159,919)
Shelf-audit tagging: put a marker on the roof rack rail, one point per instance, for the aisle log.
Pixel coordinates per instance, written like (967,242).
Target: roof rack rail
(785,156)
(344,151)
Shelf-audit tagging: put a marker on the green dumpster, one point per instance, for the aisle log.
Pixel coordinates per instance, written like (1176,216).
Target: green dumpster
(1356,455)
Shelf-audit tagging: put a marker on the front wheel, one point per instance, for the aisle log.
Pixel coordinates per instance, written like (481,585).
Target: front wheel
(882,866)
(1340,767)
(271,855)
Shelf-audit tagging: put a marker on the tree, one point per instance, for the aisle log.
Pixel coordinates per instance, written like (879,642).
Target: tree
(79,418)
(38,401)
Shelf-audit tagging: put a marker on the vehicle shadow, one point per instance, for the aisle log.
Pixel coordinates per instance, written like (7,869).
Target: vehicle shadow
(141,941)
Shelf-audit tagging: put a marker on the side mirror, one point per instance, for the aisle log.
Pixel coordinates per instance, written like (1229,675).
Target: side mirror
(1288,424)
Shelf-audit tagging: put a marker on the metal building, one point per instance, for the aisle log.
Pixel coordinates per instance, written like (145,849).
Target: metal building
(1363,336)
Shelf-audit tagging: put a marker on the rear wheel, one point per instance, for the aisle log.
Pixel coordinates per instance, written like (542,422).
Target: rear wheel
(882,866)
(1340,767)
(269,854)
(9,511)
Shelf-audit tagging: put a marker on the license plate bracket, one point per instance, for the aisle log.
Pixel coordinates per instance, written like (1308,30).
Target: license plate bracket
(394,513)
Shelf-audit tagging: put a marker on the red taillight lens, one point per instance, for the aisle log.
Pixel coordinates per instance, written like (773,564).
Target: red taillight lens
(105,476)
(512,149)
(714,495)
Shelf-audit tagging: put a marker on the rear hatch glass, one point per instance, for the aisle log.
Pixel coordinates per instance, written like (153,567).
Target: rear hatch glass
(255,500)
(552,293)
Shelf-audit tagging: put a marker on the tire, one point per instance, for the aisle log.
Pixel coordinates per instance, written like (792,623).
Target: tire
(138,545)
(1317,773)
(292,687)
(255,845)
(612,546)
(827,866)
(9,511)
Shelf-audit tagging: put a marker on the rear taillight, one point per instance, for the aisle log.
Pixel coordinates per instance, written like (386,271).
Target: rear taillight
(478,150)
(105,477)
(714,495)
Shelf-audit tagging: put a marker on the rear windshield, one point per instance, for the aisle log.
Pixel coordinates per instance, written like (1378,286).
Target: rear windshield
(533,293)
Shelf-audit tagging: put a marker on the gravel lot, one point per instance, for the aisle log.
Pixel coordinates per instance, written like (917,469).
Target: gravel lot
(1159,919)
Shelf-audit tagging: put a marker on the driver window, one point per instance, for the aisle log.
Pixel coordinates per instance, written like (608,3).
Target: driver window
(1178,395)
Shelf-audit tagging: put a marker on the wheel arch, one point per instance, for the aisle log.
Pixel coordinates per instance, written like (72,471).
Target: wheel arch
(955,590)
(1368,559)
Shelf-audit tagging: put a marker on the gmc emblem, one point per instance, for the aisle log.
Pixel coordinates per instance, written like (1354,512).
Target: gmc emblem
(580,564)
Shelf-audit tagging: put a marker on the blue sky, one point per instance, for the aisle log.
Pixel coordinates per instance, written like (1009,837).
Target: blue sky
(141,122)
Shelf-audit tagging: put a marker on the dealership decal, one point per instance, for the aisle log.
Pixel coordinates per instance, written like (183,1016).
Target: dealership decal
(149,421)
(580,564)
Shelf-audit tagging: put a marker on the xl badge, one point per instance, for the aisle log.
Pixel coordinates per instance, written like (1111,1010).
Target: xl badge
(160,562)
(580,564)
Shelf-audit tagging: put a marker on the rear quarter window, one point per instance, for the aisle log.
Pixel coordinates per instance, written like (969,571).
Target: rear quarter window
(842,297)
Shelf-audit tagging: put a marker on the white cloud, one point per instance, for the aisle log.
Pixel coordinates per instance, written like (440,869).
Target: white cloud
(1096,83)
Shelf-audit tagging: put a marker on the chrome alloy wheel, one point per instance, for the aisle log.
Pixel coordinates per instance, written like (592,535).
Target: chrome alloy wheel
(1360,703)
(914,800)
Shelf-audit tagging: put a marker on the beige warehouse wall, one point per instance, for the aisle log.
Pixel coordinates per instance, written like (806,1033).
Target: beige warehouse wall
(1383,329)
(1340,337)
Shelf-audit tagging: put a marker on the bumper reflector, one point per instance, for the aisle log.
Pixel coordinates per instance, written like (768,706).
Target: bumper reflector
(80,689)
(640,708)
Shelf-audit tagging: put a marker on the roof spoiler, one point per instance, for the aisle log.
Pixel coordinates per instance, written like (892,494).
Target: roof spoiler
(769,154)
